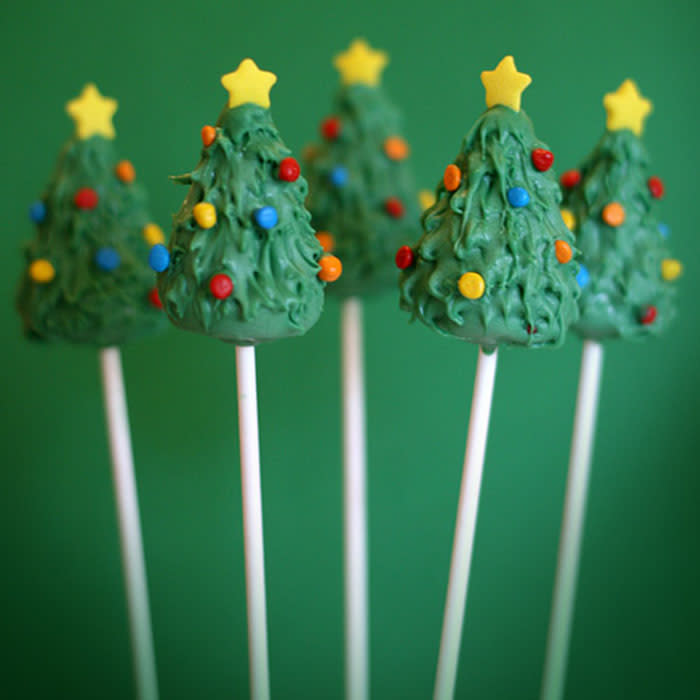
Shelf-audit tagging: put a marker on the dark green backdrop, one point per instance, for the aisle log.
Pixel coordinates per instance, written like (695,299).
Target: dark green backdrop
(64,624)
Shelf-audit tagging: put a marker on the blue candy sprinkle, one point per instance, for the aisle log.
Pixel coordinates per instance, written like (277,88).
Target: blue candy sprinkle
(266,217)
(518,197)
(159,258)
(583,276)
(339,176)
(107,259)
(37,211)
(664,230)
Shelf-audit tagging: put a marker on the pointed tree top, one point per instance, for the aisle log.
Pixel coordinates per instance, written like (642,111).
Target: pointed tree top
(504,85)
(361,64)
(92,113)
(626,108)
(248,84)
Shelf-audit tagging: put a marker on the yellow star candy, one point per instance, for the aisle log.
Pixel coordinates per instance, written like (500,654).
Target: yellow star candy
(248,84)
(626,108)
(504,85)
(360,64)
(92,113)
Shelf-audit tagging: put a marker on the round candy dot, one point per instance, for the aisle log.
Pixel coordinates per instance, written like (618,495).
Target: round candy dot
(426,199)
(204,214)
(159,258)
(396,148)
(648,316)
(154,298)
(289,170)
(37,211)
(266,217)
(331,268)
(124,170)
(404,257)
(471,285)
(208,135)
(86,198)
(338,176)
(664,230)
(221,286)
(614,214)
(394,207)
(570,179)
(326,240)
(563,251)
(583,277)
(656,187)
(671,269)
(452,177)
(518,197)
(42,271)
(152,234)
(107,259)
(330,128)
(542,159)
(569,219)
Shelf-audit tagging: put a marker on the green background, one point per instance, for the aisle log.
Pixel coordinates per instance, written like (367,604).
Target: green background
(64,624)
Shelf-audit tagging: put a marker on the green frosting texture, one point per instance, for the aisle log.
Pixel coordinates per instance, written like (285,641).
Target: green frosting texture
(623,262)
(529,297)
(354,211)
(83,302)
(276,291)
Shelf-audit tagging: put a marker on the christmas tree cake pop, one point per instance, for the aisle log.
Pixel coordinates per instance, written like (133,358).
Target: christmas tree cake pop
(610,203)
(361,192)
(244,264)
(496,262)
(87,278)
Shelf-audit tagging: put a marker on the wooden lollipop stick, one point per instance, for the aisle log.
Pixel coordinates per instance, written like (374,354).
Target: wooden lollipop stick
(465,527)
(572,522)
(252,523)
(355,504)
(129,524)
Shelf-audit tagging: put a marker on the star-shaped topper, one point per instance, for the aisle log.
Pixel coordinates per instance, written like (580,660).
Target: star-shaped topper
(248,84)
(626,108)
(504,85)
(360,64)
(92,113)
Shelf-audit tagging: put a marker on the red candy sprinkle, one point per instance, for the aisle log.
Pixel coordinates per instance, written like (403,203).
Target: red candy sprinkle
(154,298)
(330,128)
(542,159)
(649,315)
(289,170)
(531,329)
(221,286)
(86,198)
(404,257)
(570,178)
(656,186)
(394,207)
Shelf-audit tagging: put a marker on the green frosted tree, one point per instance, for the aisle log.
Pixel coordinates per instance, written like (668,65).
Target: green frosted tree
(496,262)
(626,272)
(87,278)
(244,264)
(361,191)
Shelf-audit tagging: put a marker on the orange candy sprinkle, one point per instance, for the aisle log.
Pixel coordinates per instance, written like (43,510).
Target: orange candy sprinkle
(124,170)
(208,135)
(331,268)
(326,240)
(563,251)
(396,148)
(614,214)
(452,177)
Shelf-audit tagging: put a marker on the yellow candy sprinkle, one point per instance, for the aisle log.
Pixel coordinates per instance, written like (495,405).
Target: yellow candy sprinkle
(671,269)
(426,198)
(472,285)
(204,214)
(153,234)
(569,219)
(42,271)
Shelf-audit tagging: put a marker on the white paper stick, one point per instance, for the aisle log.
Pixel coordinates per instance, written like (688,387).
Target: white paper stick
(252,523)
(572,522)
(466,526)
(355,504)
(129,524)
